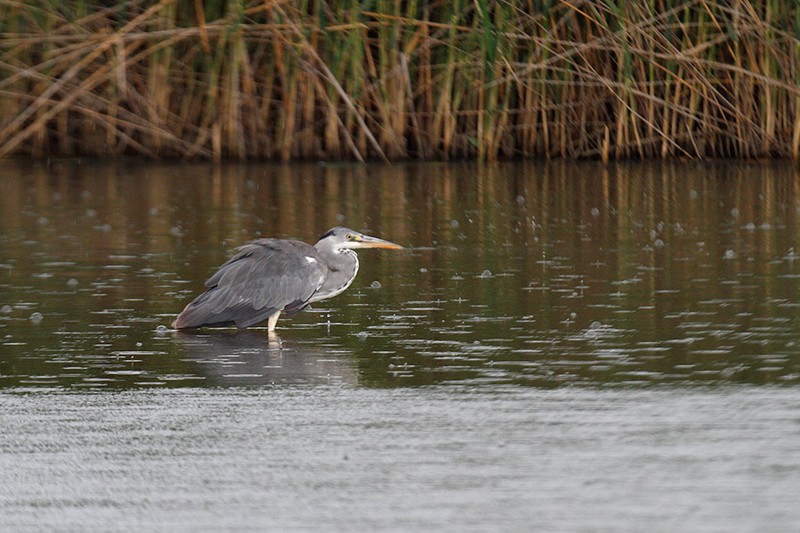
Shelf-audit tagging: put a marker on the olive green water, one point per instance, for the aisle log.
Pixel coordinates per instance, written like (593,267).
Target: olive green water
(567,346)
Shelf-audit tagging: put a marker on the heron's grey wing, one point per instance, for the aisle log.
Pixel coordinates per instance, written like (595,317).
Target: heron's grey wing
(265,276)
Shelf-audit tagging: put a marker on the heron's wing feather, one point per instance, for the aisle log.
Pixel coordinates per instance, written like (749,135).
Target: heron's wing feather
(242,254)
(265,276)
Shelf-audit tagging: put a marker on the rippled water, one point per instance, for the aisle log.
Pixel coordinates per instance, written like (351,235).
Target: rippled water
(539,275)
(544,318)
(433,458)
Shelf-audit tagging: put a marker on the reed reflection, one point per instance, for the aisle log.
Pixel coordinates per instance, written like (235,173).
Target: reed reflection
(515,262)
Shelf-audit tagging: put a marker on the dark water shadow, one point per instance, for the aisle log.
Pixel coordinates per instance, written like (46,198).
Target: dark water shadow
(252,358)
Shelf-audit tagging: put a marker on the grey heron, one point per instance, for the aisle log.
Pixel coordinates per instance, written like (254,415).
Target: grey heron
(267,277)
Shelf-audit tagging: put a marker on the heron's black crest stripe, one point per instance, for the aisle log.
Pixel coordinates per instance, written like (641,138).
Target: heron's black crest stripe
(327,234)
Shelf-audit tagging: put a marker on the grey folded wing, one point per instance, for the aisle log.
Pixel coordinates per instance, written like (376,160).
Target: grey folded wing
(265,276)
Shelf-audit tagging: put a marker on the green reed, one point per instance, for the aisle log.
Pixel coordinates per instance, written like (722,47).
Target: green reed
(381,79)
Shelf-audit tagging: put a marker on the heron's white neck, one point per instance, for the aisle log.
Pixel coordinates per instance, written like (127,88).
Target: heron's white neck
(342,266)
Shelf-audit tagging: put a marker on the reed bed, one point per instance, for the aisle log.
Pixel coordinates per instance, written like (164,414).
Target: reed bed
(388,80)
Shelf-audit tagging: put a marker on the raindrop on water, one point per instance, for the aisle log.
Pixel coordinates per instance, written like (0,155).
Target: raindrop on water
(735,212)
(486,274)
(375,284)
(6,309)
(729,254)
(36,317)
(595,212)
(454,223)
(72,282)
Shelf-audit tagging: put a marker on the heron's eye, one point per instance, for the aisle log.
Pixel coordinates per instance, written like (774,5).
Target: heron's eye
(350,237)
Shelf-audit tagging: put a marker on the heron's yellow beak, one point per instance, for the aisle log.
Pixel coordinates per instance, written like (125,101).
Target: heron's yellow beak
(365,241)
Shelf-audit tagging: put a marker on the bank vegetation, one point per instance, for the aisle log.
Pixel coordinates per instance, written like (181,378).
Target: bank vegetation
(391,80)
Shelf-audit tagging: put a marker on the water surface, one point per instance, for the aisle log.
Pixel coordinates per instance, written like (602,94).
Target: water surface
(331,457)
(568,346)
(534,275)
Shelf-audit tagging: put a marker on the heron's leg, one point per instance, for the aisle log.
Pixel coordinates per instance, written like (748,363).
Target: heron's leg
(272,320)
(273,341)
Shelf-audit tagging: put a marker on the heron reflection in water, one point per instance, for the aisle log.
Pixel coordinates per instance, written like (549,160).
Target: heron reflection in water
(243,358)
(268,277)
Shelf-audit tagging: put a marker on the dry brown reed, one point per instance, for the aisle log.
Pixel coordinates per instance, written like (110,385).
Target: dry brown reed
(301,79)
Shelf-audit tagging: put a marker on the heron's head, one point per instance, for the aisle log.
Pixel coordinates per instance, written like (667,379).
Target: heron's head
(340,238)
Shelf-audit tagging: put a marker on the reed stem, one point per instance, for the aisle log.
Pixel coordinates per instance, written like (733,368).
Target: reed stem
(378,79)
